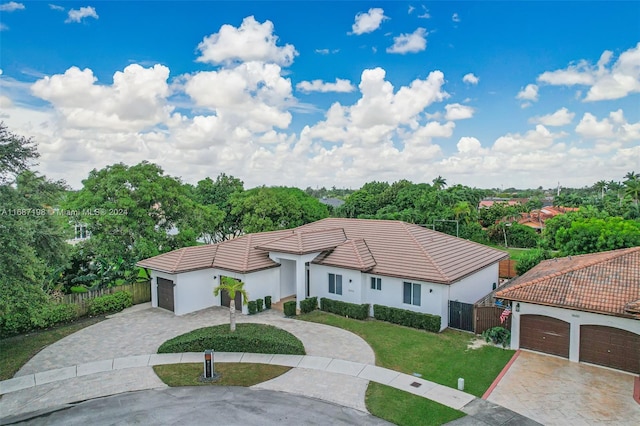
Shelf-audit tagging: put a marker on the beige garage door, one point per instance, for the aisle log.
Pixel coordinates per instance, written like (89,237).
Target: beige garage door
(544,334)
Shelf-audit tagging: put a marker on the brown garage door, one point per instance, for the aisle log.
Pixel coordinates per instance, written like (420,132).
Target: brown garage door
(610,347)
(165,293)
(544,334)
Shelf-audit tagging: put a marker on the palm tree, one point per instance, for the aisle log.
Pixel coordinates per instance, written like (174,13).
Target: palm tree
(462,208)
(631,176)
(600,187)
(232,286)
(633,189)
(439,183)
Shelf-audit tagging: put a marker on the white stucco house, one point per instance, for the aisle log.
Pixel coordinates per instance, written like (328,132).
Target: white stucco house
(385,262)
(585,308)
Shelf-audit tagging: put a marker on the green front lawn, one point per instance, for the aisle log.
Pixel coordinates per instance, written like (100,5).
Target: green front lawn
(232,374)
(16,351)
(402,408)
(441,358)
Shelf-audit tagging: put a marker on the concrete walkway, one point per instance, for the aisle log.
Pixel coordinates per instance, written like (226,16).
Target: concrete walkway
(116,356)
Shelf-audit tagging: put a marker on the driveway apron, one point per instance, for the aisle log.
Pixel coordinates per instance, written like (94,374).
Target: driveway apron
(555,391)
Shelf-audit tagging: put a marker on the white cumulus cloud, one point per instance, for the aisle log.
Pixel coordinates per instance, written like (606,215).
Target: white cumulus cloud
(409,43)
(251,41)
(55,7)
(340,86)
(77,15)
(605,81)
(529,93)
(367,22)
(613,127)
(11,6)
(455,17)
(470,78)
(458,112)
(561,117)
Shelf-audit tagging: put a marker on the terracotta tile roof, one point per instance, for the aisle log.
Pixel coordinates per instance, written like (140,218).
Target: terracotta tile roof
(303,242)
(352,254)
(182,260)
(410,251)
(383,247)
(606,282)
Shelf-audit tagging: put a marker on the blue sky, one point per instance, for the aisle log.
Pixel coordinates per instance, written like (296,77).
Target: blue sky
(486,94)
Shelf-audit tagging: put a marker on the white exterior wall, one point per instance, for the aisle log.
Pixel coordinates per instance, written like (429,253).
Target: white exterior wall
(476,286)
(300,271)
(287,279)
(574,318)
(319,283)
(154,285)
(263,283)
(194,291)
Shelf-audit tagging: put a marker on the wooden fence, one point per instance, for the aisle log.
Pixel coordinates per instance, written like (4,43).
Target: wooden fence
(141,293)
(507,268)
(489,316)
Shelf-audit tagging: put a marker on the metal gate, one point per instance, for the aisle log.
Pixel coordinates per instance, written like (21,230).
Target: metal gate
(461,315)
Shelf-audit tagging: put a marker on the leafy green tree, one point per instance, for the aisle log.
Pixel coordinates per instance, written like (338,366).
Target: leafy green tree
(531,258)
(135,212)
(270,208)
(31,238)
(593,235)
(632,187)
(219,194)
(232,286)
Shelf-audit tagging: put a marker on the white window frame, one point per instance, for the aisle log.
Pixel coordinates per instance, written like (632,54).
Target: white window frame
(415,293)
(337,283)
(376,283)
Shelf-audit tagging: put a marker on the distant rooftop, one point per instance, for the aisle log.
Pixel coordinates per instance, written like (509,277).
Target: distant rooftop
(333,202)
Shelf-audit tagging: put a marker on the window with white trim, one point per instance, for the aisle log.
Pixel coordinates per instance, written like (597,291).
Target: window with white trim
(412,293)
(376,283)
(335,283)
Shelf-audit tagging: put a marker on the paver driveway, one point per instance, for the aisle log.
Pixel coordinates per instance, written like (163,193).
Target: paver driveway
(555,391)
(142,329)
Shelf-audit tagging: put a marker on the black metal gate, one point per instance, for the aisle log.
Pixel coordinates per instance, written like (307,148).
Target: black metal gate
(461,315)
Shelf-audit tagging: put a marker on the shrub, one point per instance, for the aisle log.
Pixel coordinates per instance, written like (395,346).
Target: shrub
(407,318)
(259,305)
(54,313)
(267,302)
(78,289)
(253,338)
(308,305)
(349,310)
(253,307)
(110,303)
(530,259)
(290,308)
(497,335)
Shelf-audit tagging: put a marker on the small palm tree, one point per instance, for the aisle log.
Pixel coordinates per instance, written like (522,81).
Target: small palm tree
(232,286)
(439,183)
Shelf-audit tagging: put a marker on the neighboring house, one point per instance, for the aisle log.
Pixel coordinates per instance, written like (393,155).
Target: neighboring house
(384,262)
(585,308)
(536,218)
(489,202)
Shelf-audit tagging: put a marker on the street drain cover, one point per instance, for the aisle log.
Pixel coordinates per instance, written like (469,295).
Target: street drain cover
(416,384)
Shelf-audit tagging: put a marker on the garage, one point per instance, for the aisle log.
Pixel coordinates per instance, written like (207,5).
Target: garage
(610,347)
(165,293)
(545,334)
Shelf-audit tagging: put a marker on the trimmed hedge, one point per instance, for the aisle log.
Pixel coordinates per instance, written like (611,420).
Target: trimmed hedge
(252,306)
(290,308)
(253,338)
(349,310)
(308,305)
(267,302)
(259,304)
(407,318)
(54,313)
(110,303)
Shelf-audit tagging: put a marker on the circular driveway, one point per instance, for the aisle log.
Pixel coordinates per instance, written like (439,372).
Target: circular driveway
(141,330)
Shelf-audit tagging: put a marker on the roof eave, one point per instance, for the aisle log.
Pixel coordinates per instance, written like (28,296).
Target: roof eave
(571,308)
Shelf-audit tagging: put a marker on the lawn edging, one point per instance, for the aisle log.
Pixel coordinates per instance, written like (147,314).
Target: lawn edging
(501,375)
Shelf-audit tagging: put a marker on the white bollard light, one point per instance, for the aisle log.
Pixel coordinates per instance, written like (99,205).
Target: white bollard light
(461,384)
